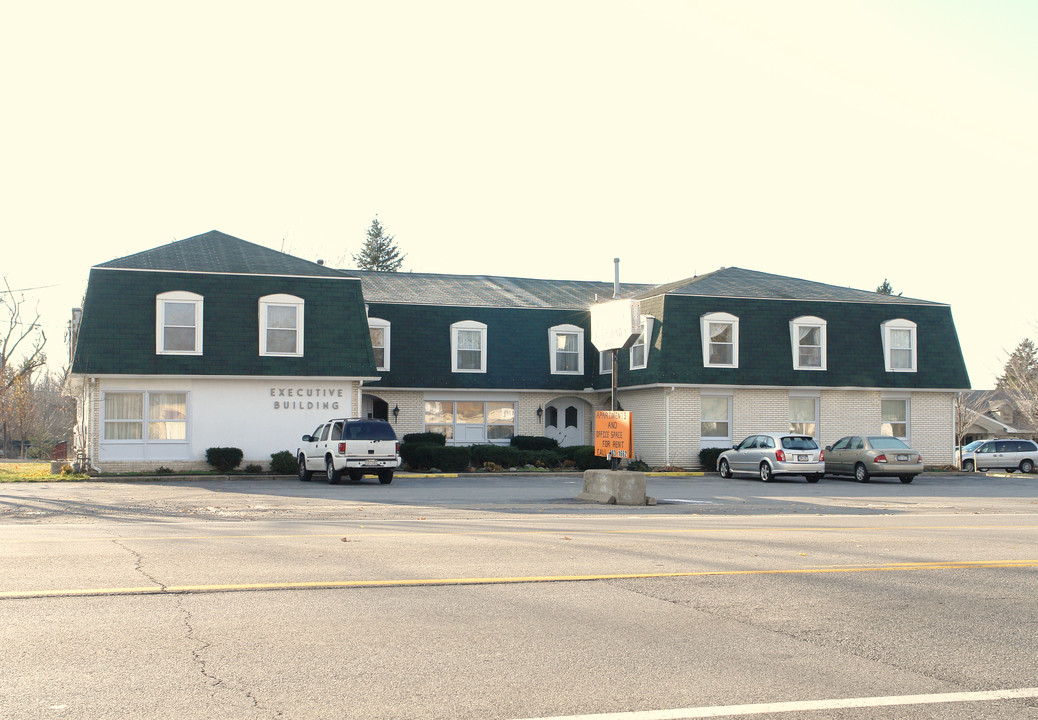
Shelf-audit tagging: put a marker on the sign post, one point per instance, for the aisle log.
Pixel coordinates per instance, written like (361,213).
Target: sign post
(615,325)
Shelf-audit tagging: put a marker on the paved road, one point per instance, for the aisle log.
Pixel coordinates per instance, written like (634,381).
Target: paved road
(504,598)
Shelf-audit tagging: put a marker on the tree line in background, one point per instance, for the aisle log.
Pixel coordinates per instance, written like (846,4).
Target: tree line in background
(35,417)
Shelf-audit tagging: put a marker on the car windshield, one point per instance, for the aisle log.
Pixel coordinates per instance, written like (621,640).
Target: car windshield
(799,443)
(885,442)
(973,445)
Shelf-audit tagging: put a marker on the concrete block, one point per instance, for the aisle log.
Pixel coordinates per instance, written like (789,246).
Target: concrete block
(628,488)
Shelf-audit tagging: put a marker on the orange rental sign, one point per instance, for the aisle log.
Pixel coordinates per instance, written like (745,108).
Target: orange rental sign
(613,436)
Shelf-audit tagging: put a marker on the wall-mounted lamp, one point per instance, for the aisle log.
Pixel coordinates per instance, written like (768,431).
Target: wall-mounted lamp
(396,411)
(540,412)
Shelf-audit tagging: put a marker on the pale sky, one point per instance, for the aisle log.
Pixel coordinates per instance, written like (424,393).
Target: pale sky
(842,142)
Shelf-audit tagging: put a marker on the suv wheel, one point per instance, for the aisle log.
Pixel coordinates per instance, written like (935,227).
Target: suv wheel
(304,474)
(967,466)
(332,474)
(385,477)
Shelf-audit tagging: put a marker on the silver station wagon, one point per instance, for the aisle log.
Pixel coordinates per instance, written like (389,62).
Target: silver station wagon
(770,455)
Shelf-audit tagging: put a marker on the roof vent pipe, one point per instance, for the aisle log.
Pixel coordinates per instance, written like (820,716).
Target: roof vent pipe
(616,277)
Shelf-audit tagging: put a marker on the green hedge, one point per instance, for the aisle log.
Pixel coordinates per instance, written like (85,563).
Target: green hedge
(426,437)
(283,463)
(708,458)
(224,459)
(534,442)
(423,456)
(585,458)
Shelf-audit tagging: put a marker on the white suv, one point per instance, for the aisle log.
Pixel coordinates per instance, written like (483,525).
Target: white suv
(357,446)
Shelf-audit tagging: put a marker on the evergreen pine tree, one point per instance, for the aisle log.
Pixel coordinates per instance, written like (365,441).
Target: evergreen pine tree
(1020,374)
(379,251)
(885,288)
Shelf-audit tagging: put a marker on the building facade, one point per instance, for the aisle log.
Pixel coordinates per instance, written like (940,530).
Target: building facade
(483,358)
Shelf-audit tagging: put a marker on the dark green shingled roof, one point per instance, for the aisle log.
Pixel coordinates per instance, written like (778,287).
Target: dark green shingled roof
(734,282)
(484,290)
(217,252)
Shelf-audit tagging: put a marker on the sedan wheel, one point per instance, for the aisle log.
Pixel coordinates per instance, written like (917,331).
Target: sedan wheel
(765,472)
(814,478)
(861,473)
(723,470)
(304,474)
(1026,466)
(907,478)
(331,473)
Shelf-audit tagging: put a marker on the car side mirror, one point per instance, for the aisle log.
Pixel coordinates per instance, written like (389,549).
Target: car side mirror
(735,447)
(307,438)
(828,448)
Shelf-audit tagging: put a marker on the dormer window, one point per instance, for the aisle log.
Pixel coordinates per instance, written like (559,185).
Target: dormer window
(281,325)
(379,330)
(899,345)
(720,334)
(178,323)
(808,338)
(566,348)
(468,347)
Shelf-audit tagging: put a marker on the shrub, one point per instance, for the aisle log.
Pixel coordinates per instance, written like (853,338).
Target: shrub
(426,437)
(163,470)
(542,458)
(283,463)
(585,458)
(534,442)
(708,458)
(638,465)
(253,469)
(423,456)
(502,455)
(224,458)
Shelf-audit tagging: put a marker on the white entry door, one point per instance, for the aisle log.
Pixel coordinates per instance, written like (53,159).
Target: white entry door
(564,421)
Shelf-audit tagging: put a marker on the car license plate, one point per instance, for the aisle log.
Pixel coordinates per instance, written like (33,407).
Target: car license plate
(902,458)
(370,463)
(802,458)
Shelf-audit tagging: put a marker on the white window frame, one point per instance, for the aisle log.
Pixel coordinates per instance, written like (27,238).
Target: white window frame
(886,331)
(908,416)
(280,300)
(180,297)
(704,331)
(145,421)
(706,441)
(808,321)
(384,326)
(469,325)
(605,362)
(553,350)
(644,341)
(815,399)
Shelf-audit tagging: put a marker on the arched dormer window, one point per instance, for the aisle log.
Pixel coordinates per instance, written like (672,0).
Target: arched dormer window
(178,323)
(807,336)
(720,333)
(281,325)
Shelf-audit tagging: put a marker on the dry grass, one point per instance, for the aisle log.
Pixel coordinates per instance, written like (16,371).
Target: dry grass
(32,471)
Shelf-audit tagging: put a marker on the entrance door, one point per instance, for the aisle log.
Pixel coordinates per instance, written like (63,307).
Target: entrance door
(564,421)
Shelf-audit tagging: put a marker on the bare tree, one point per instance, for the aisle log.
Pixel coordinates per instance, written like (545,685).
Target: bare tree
(1019,381)
(969,407)
(18,332)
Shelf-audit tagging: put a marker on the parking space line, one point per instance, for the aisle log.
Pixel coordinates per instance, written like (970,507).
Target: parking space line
(808,705)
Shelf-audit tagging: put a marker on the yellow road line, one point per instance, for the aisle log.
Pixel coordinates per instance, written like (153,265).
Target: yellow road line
(334,584)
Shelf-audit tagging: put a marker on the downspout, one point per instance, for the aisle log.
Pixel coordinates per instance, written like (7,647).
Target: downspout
(666,422)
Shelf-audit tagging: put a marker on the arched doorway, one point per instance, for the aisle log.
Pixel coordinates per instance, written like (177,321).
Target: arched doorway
(374,407)
(564,421)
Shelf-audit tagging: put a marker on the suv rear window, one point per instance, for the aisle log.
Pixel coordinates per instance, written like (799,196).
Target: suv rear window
(799,443)
(369,431)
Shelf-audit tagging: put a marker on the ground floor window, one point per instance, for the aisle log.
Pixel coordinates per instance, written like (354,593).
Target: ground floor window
(124,414)
(894,418)
(803,416)
(471,421)
(715,421)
